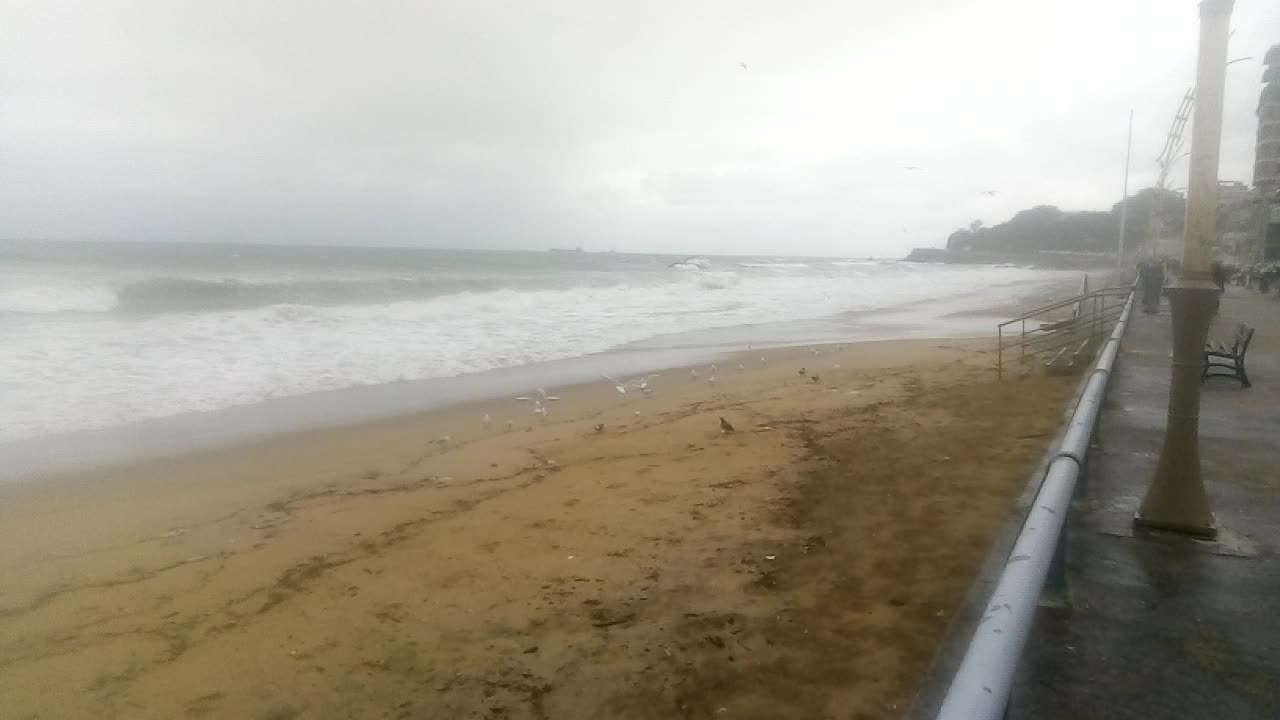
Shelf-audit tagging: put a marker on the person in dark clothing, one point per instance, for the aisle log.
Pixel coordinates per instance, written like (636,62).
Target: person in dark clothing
(1219,272)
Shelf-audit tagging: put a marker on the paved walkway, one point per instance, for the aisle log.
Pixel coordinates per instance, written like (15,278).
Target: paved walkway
(1162,626)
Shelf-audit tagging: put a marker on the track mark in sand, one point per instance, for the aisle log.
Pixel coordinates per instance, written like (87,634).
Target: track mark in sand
(204,705)
(133,576)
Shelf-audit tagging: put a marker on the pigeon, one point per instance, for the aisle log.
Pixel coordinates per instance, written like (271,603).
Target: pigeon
(725,426)
(802,371)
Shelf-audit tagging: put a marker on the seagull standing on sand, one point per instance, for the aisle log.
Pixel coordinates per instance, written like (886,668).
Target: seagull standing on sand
(725,427)
(693,373)
(486,421)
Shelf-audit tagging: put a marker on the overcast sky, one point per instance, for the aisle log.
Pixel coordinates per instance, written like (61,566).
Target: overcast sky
(629,126)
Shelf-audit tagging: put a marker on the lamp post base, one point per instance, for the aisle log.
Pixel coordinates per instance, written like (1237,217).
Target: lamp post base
(1176,500)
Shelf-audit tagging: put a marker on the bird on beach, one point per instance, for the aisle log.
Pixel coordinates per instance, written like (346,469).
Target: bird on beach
(816,352)
(599,427)
(742,65)
(508,425)
(740,368)
(988,193)
(540,410)
(725,427)
(693,373)
(543,397)
(814,379)
(486,421)
(802,372)
(443,442)
(764,360)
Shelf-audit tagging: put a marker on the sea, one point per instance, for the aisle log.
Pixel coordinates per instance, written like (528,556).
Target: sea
(105,334)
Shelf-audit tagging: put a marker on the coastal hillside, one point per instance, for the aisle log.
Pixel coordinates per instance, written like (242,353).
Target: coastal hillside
(1049,230)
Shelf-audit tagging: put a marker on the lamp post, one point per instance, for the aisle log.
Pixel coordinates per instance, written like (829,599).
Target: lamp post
(1176,499)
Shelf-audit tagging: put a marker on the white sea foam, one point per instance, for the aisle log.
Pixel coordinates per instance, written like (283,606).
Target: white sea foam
(70,362)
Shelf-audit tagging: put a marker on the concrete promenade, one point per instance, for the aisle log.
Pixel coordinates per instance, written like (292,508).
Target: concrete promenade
(1163,626)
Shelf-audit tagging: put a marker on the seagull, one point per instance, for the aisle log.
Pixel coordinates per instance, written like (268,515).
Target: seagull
(486,421)
(764,360)
(725,427)
(802,371)
(442,441)
(621,387)
(693,373)
(814,379)
(816,352)
(599,427)
(539,409)
(742,65)
(740,368)
(712,379)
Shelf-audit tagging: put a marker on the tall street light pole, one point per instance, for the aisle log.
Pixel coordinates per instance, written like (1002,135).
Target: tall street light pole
(1124,196)
(1176,499)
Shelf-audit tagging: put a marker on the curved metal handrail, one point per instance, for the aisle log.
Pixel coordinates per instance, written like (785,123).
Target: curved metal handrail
(980,688)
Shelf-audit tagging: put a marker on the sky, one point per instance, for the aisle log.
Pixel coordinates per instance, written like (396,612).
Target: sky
(846,127)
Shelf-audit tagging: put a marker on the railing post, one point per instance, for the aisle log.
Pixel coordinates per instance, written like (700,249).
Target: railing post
(999,352)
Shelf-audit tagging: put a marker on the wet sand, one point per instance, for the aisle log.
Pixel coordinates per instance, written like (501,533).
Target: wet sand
(802,566)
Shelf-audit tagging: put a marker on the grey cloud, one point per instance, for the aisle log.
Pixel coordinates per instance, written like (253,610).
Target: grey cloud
(627,126)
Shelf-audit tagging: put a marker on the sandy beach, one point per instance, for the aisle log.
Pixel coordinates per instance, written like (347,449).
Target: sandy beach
(804,565)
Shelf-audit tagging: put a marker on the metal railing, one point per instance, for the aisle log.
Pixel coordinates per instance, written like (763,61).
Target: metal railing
(1091,314)
(980,688)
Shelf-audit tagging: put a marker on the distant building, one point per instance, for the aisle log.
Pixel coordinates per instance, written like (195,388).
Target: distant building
(1266,166)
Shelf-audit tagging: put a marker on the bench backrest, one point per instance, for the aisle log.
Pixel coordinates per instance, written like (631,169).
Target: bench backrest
(1244,334)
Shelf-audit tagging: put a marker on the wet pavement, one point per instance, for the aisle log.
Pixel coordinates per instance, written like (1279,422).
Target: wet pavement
(1161,625)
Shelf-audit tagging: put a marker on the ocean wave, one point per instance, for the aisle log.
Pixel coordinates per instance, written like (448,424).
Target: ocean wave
(60,298)
(148,364)
(692,263)
(773,264)
(718,280)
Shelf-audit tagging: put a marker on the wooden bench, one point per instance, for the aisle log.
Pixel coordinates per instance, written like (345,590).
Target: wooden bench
(1223,361)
